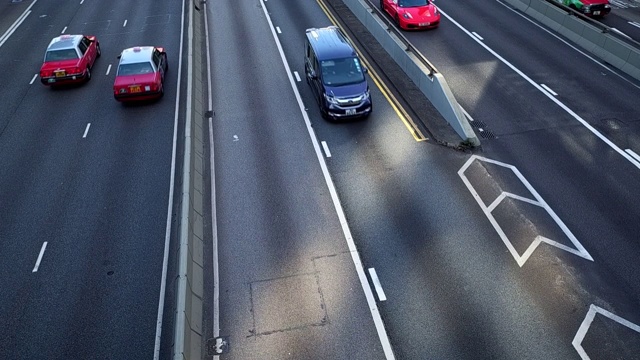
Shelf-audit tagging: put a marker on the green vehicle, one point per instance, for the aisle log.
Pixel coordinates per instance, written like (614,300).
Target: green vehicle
(595,8)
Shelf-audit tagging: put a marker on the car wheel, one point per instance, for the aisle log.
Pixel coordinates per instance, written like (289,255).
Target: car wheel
(161,90)
(166,64)
(99,52)
(88,75)
(382,5)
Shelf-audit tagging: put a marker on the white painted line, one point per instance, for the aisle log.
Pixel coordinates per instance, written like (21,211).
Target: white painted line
(549,96)
(297,76)
(81,2)
(621,33)
(586,323)
(108,69)
(632,153)
(466,114)
(549,90)
(579,250)
(63,30)
(633,23)
(86,130)
(355,255)
(167,234)
(568,44)
(125,23)
(278,30)
(214,221)
(377,285)
(34,79)
(326,149)
(42,249)
(476,35)
(16,24)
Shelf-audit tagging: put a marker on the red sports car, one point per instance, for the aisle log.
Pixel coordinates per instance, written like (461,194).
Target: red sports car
(140,73)
(412,14)
(69,59)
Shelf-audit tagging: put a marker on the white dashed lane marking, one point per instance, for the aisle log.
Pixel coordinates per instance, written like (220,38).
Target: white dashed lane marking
(326,149)
(34,79)
(44,247)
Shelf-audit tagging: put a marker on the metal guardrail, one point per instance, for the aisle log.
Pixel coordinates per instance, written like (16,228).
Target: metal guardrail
(391,27)
(604,28)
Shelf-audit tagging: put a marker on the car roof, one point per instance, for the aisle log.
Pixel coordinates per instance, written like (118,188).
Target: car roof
(329,43)
(65,42)
(136,54)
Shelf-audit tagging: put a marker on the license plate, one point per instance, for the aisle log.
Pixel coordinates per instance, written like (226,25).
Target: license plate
(60,73)
(51,80)
(424,24)
(134,89)
(350,111)
(596,12)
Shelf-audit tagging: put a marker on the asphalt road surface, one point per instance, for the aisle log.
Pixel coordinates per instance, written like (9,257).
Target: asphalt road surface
(96,195)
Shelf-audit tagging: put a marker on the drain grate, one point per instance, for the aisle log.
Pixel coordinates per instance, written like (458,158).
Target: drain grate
(485,134)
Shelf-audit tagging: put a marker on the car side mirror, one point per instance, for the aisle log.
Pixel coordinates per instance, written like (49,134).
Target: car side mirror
(119,56)
(313,75)
(365,70)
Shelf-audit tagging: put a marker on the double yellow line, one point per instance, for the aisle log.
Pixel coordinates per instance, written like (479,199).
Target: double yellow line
(402,113)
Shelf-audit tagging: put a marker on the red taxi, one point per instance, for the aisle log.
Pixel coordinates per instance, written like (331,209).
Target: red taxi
(140,73)
(69,59)
(412,14)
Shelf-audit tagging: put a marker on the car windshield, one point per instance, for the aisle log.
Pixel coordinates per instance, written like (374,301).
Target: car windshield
(342,71)
(135,69)
(59,55)
(412,3)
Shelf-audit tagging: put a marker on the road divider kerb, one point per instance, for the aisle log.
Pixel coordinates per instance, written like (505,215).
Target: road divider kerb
(190,276)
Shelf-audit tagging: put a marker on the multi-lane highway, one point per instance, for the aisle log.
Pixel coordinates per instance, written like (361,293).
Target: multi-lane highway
(548,241)
(84,190)
(356,240)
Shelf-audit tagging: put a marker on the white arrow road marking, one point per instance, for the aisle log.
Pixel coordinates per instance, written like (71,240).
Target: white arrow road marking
(586,323)
(538,201)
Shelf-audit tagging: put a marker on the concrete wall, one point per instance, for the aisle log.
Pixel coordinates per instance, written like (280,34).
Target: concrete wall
(188,342)
(432,84)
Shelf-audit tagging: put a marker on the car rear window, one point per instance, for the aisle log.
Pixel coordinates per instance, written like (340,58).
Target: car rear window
(135,69)
(59,55)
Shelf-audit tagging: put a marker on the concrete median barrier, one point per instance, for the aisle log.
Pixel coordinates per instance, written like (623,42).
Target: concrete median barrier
(430,82)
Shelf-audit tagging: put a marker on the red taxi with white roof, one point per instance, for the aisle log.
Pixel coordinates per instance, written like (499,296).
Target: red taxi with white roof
(140,73)
(69,59)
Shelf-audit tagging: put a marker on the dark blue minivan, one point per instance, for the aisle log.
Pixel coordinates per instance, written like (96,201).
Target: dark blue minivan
(335,74)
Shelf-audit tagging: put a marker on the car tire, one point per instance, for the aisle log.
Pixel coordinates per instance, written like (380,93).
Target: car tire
(382,5)
(166,64)
(98,51)
(88,75)
(162,90)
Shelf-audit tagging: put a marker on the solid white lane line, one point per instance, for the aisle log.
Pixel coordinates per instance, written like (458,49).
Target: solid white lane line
(549,90)
(214,219)
(108,69)
(81,2)
(125,23)
(567,43)
(353,250)
(476,35)
(549,96)
(34,79)
(297,76)
(466,114)
(632,153)
(44,247)
(633,23)
(167,233)
(377,285)
(278,30)
(63,30)
(86,130)
(326,149)
(16,24)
